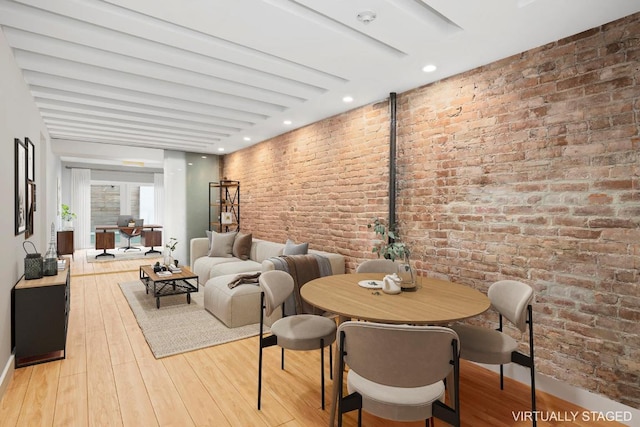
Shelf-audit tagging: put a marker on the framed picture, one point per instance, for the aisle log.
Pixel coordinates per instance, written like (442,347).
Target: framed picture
(34,197)
(20,187)
(226,218)
(31,159)
(31,189)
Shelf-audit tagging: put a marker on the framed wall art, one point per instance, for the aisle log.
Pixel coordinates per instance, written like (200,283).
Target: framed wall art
(31,159)
(20,186)
(31,191)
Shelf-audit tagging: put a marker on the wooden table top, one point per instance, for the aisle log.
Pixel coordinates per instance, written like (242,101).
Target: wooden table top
(434,302)
(186,273)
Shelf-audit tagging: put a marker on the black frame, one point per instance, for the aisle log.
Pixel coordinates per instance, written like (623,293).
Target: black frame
(31,159)
(20,206)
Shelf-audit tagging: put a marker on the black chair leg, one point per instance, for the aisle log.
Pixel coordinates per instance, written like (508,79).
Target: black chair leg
(260,374)
(330,363)
(322,370)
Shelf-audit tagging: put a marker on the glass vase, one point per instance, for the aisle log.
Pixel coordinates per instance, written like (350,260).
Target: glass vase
(407,275)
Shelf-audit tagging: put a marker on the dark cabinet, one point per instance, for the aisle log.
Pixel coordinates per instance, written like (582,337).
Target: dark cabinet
(65,243)
(40,318)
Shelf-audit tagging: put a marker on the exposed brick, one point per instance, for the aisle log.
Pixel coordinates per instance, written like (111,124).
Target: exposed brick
(527,168)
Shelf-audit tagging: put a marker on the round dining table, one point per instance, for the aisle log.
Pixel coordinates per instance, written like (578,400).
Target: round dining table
(352,296)
(434,302)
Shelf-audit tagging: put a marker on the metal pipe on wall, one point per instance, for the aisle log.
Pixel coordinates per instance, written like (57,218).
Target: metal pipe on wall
(392,160)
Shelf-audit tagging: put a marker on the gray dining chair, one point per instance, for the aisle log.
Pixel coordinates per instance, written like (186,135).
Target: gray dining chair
(398,372)
(292,332)
(381,265)
(512,300)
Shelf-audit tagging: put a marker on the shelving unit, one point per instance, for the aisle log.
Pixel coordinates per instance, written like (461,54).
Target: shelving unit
(224,206)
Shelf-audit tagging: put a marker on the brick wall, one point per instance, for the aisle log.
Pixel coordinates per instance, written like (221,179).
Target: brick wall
(523,169)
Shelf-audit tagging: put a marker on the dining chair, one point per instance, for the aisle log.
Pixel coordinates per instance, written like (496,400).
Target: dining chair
(129,232)
(381,265)
(292,332)
(397,372)
(512,300)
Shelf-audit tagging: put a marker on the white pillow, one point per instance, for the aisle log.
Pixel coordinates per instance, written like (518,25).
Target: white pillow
(290,248)
(222,244)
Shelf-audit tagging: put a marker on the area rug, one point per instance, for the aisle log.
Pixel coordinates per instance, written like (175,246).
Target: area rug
(119,255)
(177,327)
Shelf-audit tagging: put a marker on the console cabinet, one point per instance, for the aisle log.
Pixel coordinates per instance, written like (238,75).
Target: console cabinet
(40,312)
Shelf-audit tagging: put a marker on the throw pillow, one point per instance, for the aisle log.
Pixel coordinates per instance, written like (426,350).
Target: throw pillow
(290,248)
(242,246)
(222,244)
(208,237)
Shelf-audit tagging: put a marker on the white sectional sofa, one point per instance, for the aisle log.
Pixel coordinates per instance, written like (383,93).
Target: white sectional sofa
(240,305)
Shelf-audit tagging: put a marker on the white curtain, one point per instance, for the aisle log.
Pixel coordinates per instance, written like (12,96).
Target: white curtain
(81,205)
(158,198)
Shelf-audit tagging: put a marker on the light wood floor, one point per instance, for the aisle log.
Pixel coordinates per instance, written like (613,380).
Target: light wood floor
(110,377)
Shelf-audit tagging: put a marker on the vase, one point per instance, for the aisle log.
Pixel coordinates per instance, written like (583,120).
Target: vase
(168,257)
(407,274)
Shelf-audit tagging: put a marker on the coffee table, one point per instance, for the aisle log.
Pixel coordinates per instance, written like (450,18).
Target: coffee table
(184,282)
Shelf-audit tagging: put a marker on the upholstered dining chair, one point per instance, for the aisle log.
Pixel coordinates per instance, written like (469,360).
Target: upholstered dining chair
(293,332)
(512,300)
(397,372)
(381,265)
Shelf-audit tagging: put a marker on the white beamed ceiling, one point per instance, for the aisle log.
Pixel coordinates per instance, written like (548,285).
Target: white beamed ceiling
(203,75)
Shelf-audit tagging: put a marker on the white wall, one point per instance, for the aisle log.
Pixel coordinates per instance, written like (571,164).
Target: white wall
(19,118)
(175,203)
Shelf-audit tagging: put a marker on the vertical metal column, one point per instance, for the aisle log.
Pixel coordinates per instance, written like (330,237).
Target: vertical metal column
(392,160)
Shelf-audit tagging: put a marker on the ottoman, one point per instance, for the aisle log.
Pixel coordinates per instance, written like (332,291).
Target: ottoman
(235,307)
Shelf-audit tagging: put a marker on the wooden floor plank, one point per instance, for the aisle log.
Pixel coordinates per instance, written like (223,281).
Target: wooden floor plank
(40,398)
(11,404)
(224,392)
(71,404)
(135,405)
(169,408)
(201,406)
(104,408)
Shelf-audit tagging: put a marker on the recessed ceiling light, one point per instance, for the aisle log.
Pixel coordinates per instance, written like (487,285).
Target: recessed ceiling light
(287,122)
(220,149)
(246,138)
(347,99)
(204,157)
(429,68)
(190,164)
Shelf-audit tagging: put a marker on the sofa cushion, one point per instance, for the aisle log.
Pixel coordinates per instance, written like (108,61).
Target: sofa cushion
(291,248)
(237,267)
(242,246)
(263,249)
(202,266)
(222,244)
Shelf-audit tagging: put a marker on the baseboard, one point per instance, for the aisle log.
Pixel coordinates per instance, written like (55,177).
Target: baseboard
(7,375)
(596,406)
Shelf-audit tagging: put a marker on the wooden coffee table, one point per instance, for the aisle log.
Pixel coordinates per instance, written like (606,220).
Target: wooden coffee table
(184,282)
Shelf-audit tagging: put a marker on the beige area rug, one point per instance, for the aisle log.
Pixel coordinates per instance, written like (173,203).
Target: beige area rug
(120,254)
(177,327)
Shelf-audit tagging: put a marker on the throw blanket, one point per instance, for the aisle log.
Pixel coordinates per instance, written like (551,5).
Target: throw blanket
(303,268)
(245,279)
